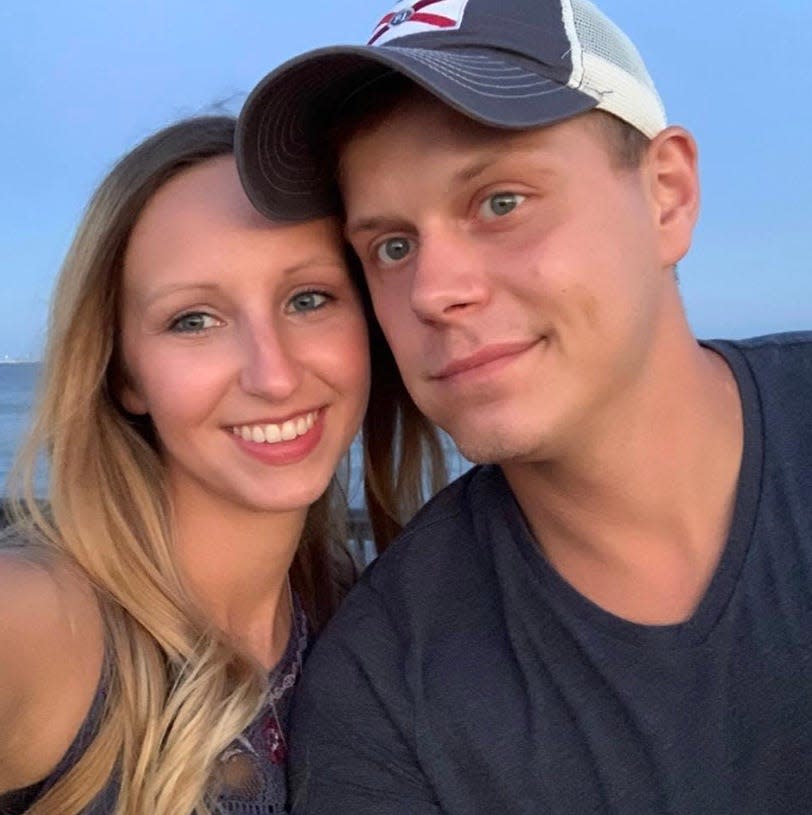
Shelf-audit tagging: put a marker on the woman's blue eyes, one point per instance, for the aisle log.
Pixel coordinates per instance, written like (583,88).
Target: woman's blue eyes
(193,322)
(307,301)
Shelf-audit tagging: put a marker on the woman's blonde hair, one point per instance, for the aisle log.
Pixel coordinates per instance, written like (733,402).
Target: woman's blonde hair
(178,692)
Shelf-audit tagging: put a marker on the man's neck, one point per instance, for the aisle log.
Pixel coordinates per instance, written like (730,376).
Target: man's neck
(636,515)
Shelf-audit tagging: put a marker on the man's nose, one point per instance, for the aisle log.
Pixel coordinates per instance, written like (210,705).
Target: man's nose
(450,279)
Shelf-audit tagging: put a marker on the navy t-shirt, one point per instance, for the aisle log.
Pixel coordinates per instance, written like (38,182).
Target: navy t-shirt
(465,675)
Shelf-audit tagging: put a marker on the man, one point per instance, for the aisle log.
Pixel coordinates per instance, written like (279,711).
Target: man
(615,614)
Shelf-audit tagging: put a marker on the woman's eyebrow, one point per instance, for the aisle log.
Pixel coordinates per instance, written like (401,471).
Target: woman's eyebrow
(172,288)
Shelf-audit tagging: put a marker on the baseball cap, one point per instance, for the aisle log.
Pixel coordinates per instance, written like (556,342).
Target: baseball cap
(513,64)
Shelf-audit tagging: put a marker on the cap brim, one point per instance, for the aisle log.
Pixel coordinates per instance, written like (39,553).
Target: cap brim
(280,145)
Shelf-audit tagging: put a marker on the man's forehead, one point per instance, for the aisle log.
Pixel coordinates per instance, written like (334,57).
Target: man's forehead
(420,119)
(380,172)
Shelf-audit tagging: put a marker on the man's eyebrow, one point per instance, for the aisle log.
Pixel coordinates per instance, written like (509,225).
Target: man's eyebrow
(385,223)
(475,168)
(375,223)
(498,146)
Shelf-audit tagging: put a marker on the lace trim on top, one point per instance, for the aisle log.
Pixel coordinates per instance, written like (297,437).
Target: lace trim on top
(252,769)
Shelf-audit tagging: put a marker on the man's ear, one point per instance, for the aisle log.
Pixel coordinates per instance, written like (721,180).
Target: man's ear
(672,164)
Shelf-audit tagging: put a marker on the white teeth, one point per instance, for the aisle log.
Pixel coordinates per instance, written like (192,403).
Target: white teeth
(273,433)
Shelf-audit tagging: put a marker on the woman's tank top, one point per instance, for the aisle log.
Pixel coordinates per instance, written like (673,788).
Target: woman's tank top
(252,769)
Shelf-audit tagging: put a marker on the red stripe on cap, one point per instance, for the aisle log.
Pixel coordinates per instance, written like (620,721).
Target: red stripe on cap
(432,19)
(385,19)
(378,34)
(423,3)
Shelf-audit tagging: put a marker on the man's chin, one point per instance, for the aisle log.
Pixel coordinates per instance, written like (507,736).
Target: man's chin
(490,450)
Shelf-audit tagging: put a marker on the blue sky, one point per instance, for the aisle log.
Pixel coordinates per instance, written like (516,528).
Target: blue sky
(84,81)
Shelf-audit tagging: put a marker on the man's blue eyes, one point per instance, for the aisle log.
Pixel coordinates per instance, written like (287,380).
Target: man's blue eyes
(394,250)
(499,204)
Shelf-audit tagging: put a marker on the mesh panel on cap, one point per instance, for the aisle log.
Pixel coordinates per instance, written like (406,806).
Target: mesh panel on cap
(614,72)
(600,36)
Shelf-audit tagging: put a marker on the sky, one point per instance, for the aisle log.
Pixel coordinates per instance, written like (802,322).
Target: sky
(84,81)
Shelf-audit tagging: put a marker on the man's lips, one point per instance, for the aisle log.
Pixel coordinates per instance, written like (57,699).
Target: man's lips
(483,358)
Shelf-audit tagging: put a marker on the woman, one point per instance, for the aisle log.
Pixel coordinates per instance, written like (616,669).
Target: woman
(205,372)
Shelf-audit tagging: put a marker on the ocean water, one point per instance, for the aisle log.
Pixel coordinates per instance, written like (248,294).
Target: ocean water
(17,387)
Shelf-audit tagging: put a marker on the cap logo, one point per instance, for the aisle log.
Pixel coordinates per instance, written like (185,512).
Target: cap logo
(418,17)
(401,17)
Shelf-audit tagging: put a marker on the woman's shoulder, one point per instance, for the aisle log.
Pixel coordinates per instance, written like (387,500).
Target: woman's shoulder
(46,599)
(51,655)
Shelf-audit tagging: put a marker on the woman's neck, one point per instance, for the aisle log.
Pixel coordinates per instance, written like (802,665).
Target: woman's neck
(235,562)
